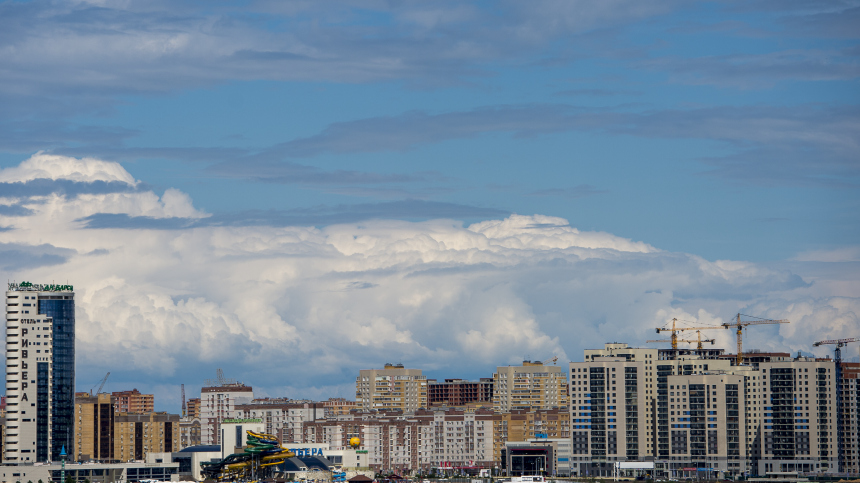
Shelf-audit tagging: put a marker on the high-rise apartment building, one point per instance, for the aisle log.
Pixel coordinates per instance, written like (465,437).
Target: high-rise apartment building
(775,413)
(707,422)
(608,415)
(850,417)
(532,385)
(40,371)
(218,403)
(797,419)
(133,402)
(94,428)
(393,387)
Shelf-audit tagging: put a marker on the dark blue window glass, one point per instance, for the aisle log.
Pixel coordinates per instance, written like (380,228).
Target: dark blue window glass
(42,391)
(62,310)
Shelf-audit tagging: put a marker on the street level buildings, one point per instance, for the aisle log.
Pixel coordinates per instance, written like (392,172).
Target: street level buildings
(40,371)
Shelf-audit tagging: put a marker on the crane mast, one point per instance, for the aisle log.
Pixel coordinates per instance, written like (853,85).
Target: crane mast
(740,325)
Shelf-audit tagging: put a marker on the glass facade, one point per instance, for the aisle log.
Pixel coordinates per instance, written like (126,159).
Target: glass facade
(61,307)
(42,388)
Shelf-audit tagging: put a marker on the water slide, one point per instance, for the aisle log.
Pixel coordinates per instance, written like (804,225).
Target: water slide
(261,450)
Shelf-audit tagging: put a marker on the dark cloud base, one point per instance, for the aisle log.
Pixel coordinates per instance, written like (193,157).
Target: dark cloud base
(14,256)
(65,187)
(320,216)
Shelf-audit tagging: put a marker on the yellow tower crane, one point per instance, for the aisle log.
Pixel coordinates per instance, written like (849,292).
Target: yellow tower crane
(674,332)
(740,325)
(698,339)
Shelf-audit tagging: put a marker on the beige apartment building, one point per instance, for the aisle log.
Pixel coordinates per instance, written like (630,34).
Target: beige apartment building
(94,420)
(391,388)
(532,385)
(136,435)
(192,408)
(704,416)
(707,422)
(133,402)
(797,420)
(609,421)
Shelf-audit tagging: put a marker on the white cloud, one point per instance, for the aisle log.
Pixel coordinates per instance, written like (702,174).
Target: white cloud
(305,308)
(59,212)
(51,166)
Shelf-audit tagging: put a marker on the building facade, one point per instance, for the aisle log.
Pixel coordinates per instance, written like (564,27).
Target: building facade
(608,413)
(850,394)
(133,402)
(796,428)
(40,371)
(282,417)
(193,408)
(459,392)
(218,403)
(532,385)
(696,413)
(94,428)
(391,388)
(137,435)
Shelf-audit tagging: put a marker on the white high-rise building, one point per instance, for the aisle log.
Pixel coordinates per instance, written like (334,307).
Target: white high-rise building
(40,372)
(218,403)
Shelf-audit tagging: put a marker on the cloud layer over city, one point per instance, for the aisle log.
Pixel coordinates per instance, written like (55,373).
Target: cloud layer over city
(296,310)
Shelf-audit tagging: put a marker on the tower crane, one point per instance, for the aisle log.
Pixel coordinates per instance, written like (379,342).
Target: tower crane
(740,325)
(550,361)
(698,339)
(674,332)
(840,445)
(103,381)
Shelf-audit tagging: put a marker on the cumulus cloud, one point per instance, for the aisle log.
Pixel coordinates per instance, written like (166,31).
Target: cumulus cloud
(302,308)
(46,190)
(54,167)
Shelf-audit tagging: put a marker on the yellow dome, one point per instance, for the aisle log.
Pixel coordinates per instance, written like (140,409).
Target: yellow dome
(354,442)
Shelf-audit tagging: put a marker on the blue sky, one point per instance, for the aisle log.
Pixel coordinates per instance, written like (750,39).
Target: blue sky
(722,132)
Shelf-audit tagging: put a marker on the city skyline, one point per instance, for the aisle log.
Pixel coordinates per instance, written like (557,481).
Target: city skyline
(306,189)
